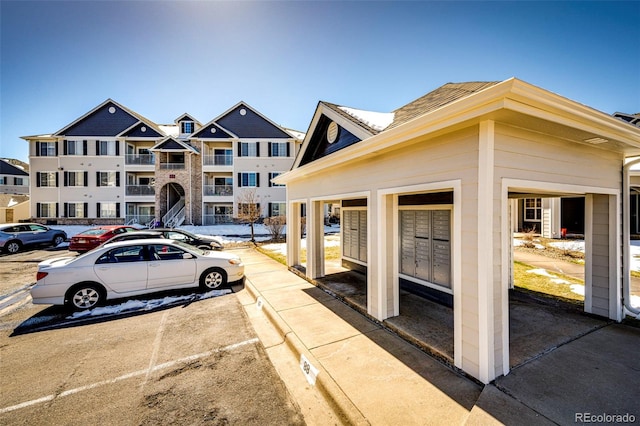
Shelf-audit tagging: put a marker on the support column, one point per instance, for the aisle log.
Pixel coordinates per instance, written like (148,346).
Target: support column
(315,239)
(294,227)
(485,253)
(602,254)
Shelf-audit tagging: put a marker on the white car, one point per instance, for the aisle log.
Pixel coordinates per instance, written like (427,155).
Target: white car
(130,268)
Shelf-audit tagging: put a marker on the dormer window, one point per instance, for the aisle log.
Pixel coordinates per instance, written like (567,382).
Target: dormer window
(186,127)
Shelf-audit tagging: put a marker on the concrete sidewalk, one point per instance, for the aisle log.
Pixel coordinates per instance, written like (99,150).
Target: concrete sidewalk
(367,375)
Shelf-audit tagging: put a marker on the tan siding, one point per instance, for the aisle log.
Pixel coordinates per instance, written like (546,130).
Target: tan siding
(600,258)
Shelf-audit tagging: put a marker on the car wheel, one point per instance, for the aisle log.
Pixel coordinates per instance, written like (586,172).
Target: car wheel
(13,246)
(213,278)
(84,296)
(57,240)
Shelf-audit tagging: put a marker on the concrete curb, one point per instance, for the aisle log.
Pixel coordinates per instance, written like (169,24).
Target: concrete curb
(343,407)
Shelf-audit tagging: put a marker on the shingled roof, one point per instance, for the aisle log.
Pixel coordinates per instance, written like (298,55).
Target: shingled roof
(433,100)
(376,122)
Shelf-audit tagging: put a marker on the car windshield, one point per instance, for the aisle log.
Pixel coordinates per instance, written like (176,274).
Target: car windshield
(189,247)
(94,232)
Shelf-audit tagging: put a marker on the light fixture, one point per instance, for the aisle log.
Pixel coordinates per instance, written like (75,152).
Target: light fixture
(596,141)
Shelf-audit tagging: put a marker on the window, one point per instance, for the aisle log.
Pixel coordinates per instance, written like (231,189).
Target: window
(533,209)
(248,179)
(277,209)
(110,210)
(75,209)
(18,181)
(47,179)
(107,148)
(75,178)
(186,127)
(3,180)
(249,209)
(249,149)
(278,149)
(273,175)
(46,210)
(46,149)
(108,178)
(75,147)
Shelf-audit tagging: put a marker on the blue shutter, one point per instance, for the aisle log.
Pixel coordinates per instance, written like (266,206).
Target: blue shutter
(66,209)
(257,179)
(269,149)
(86,178)
(117,178)
(97,147)
(117,209)
(84,147)
(65,149)
(288,149)
(57,183)
(37,149)
(38,210)
(239,149)
(38,179)
(239,180)
(86,209)
(97,178)
(98,207)
(66,179)
(257,149)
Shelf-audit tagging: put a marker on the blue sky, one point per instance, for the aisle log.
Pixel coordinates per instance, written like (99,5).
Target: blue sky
(161,59)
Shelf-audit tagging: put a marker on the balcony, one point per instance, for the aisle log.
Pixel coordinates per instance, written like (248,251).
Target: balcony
(218,190)
(140,190)
(140,159)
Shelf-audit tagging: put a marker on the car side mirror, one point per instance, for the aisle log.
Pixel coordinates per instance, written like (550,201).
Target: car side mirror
(187,256)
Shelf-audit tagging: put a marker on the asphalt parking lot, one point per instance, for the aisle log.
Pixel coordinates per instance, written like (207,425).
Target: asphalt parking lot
(191,362)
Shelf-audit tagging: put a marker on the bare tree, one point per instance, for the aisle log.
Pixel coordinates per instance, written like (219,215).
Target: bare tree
(249,209)
(275,225)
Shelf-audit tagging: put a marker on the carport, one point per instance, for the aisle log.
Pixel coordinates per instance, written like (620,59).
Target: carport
(437,175)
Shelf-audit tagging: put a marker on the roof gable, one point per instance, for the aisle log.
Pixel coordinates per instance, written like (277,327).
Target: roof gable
(213,131)
(326,138)
(171,144)
(108,119)
(186,117)
(246,122)
(9,169)
(142,130)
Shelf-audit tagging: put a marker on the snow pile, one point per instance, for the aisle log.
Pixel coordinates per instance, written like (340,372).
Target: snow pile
(145,305)
(545,273)
(376,120)
(281,248)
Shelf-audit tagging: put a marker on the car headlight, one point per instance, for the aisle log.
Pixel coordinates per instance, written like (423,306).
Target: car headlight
(235,261)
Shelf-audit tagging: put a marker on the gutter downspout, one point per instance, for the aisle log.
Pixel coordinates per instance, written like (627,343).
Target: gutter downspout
(626,241)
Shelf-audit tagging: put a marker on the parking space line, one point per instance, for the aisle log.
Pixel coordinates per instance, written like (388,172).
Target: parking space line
(133,374)
(156,347)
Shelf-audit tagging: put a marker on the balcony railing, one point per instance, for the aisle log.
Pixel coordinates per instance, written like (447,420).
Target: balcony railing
(171,166)
(218,190)
(215,219)
(139,219)
(140,159)
(218,160)
(140,190)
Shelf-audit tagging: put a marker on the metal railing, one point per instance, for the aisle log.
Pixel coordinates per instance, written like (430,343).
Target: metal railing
(173,212)
(218,160)
(141,219)
(172,166)
(215,219)
(140,190)
(141,159)
(219,190)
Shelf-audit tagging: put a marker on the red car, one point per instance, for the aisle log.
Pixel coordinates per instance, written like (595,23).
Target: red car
(92,238)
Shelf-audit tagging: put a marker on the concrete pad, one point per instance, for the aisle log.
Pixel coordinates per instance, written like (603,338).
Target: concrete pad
(497,408)
(388,391)
(318,324)
(598,373)
(294,296)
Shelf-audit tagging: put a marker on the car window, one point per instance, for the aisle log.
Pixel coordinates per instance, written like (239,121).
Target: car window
(176,236)
(123,255)
(165,252)
(37,228)
(23,228)
(10,229)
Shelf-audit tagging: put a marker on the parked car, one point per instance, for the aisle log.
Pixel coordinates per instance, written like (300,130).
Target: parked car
(130,268)
(15,236)
(92,238)
(203,242)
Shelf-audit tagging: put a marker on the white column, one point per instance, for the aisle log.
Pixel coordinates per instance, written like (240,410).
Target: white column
(294,226)
(315,239)
(485,249)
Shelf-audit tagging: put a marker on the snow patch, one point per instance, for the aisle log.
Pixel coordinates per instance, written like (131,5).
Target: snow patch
(376,120)
(145,305)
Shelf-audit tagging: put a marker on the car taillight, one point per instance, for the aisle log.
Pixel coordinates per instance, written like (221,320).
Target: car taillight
(41,275)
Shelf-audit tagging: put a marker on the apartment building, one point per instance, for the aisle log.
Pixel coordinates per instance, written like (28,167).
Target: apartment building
(113,165)
(13,178)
